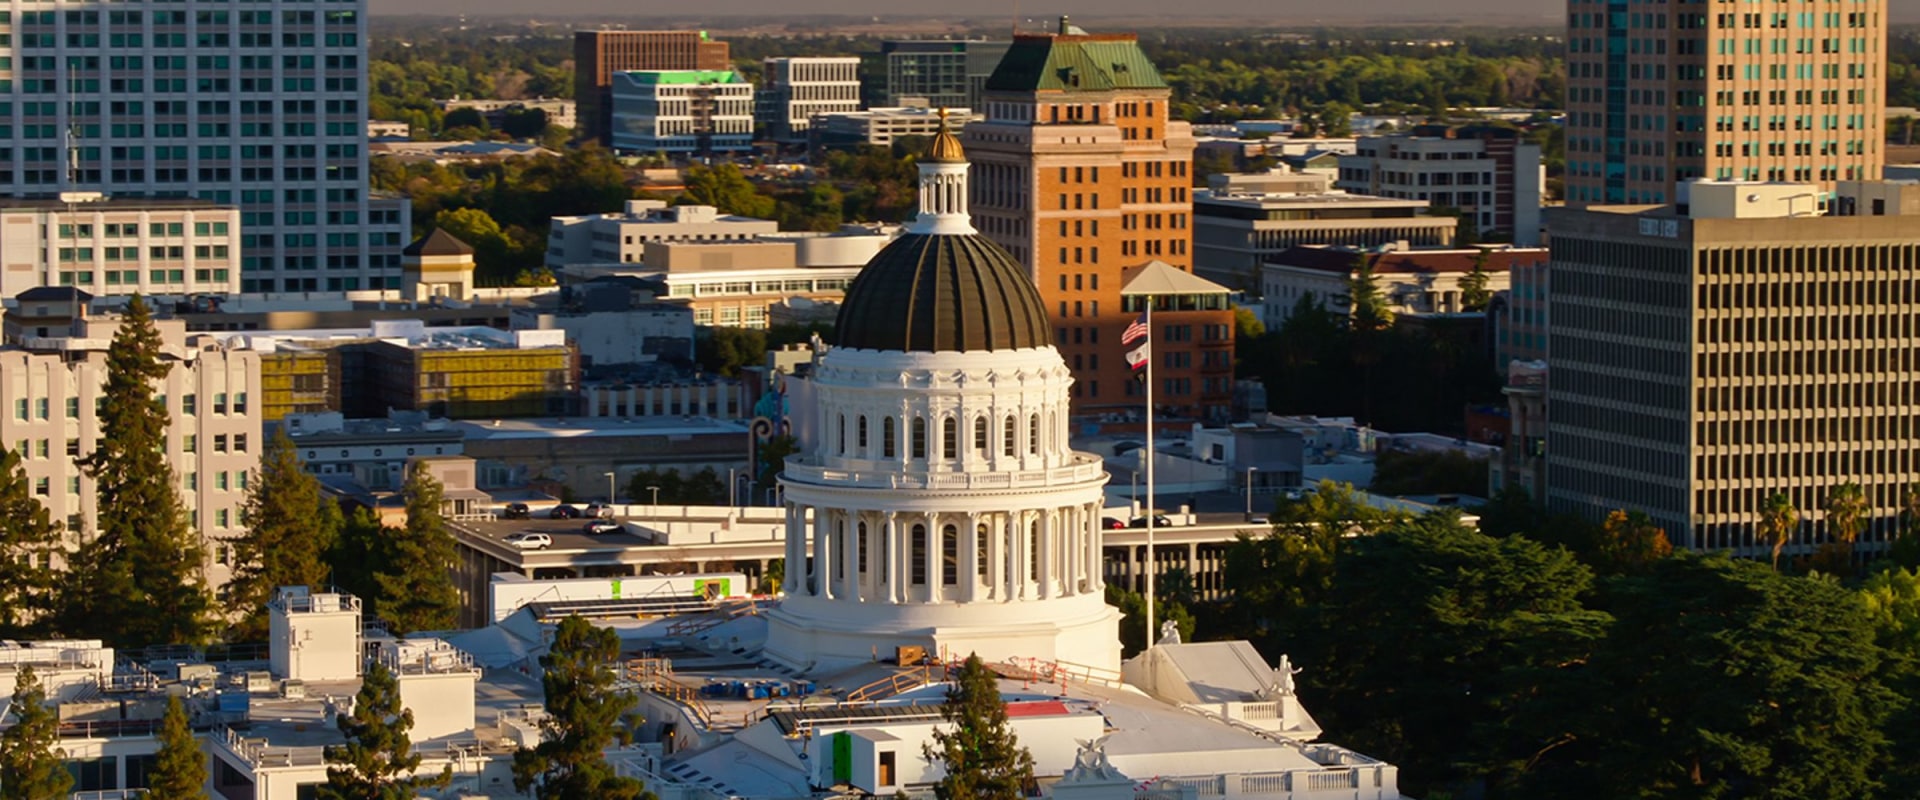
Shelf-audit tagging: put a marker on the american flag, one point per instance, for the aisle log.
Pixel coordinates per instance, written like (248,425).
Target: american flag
(1135,331)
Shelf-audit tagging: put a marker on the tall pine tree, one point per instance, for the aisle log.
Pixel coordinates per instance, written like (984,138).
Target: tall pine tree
(32,765)
(583,708)
(141,580)
(377,762)
(415,577)
(984,760)
(28,537)
(291,528)
(180,767)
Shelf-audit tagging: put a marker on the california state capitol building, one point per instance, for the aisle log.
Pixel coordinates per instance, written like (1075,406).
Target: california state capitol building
(934,510)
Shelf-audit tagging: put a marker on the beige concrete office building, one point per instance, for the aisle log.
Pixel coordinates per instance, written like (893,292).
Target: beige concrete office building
(51,378)
(1704,361)
(1661,94)
(118,247)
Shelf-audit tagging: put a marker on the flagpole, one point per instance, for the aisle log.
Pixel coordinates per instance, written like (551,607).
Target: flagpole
(1150,509)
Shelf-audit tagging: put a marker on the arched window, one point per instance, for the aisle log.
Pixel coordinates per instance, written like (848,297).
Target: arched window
(980,437)
(917,438)
(949,556)
(917,555)
(1007,446)
(1033,551)
(860,543)
(980,535)
(1033,436)
(950,438)
(860,435)
(887,437)
(840,428)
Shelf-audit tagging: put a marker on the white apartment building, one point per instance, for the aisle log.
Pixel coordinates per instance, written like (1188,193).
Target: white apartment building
(622,237)
(682,112)
(559,112)
(235,102)
(52,374)
(119,247)
(881,126)
(793,89)
(1491,175)
(1414,281)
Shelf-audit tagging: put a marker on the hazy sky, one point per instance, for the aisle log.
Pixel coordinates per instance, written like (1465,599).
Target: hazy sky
(1268,11)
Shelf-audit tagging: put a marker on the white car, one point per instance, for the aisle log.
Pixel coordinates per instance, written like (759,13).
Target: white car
(530,541)
(600,510)
(599,526)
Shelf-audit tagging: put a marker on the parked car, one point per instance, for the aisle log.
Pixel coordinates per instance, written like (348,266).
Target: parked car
(530,541)
(600,510)
(1159,521)
(599,526)
(564,512)
(516,511)
(1111,524)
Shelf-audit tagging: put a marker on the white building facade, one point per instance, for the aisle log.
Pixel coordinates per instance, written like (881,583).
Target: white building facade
(109,247)
(622,237)
(794,89)
(945,507)
(52,390)
(1489,175)
(682,112)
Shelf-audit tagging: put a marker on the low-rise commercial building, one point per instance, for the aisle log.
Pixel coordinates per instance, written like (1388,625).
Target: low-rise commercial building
(881,127)
(560,112)
(622,237)
(1491,175)
(682,112)
(119,247)
(1242,220)
(1413,281)
(463,372)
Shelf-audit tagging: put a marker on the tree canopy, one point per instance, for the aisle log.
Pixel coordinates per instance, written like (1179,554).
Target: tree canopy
(414,577)
(983,760)
(377,762)
(32,764)
(584,710)
(141,580)
(292,526)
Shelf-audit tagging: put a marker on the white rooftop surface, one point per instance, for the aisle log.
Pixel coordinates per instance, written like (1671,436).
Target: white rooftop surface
(580,427)
(1220,672)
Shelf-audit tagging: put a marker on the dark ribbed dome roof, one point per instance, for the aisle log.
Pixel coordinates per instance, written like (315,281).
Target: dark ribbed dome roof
(934,293)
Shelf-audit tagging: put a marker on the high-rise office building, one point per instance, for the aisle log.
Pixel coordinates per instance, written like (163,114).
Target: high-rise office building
(597,55)
(793,89)
(1705,360)
(1082,174)
(933,72)
(1661,94)
(229,101)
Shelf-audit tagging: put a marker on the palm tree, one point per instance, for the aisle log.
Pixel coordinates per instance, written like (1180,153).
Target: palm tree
(1846,512)
(1777,520)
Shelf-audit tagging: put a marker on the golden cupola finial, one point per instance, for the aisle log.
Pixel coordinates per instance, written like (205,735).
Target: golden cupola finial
(946,147)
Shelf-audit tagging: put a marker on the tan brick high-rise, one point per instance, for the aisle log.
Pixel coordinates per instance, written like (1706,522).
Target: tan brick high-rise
(1082,174)
(1661,94)
(599,54)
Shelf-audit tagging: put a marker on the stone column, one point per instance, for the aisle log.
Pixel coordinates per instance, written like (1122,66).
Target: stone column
(1022,557)
(850,559)
(996,559)
(821,573)
(1073,520)
(796,572)
(890,583)
(970,560)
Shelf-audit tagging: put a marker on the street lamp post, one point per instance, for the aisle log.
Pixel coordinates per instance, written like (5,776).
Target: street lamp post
(610,490)
(1250,471)
(655,510)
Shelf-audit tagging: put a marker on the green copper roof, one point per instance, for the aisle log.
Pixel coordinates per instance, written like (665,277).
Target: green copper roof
(684,76)
(1074,64)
